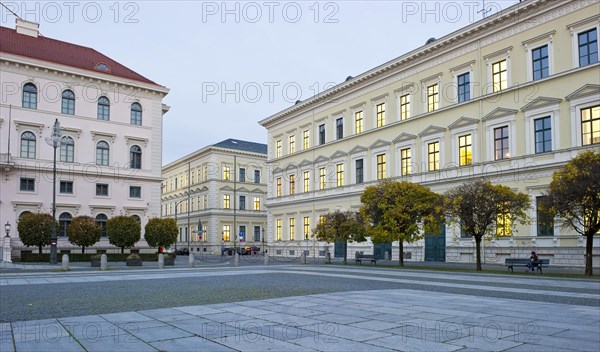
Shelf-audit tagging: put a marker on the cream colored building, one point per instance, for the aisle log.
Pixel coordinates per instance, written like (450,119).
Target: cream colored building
(111,124)
(510,98)
(222,186)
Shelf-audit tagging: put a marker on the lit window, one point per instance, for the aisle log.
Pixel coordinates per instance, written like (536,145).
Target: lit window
(380,114)
(433,156)
(503,225)
(226,233)
(29,96)
(226,201)
(292,144)
(226,173)
(406,162)
(322,178)
(292,229)
(590,125)
(381,167)
(405,107)
(543,134)
(501,150)
(499,76)
(339,175)
(256,203)
(278,148)
(305,139)
(432,98)
(306,222)
(464,87)
(68,102)
(136,114)
(292,184)
(541,67)
(358,122)
(278,230)
(103,108)
(465,150)
(278,185)
(28,143)
(306,181)
(588,47)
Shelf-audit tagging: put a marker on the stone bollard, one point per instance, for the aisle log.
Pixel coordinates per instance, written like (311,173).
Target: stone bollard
(236,259)
(103,262)
(65,262)
(386,255)
(266,259)
(6,251)
(191,260)
(327,258)
(304,257)
(161,261)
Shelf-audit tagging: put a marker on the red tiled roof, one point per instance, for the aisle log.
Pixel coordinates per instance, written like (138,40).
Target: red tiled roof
(63,53)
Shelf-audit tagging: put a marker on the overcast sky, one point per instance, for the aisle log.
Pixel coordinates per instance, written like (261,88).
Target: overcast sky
(231,64)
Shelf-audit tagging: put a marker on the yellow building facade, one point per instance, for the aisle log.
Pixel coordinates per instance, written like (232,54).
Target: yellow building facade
(510,98)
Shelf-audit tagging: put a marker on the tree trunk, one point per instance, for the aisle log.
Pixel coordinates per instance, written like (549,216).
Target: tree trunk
(345,252)
(478,249)
(40,249)
(82,249)
(122,249)
(589,245)
(400,254)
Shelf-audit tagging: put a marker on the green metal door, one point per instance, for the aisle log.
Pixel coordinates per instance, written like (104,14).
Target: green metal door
(338,249)
(435,245)
(379,250)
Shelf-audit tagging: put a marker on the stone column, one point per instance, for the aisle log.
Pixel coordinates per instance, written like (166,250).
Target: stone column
(103,262)
(65,262)
(304,257)
(236,259)
(161,261)
(191,260)
(6,250)
(266,259)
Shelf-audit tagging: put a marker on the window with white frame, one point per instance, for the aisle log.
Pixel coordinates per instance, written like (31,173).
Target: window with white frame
(405,161)
(498,70)
(358,122)
(404,107)
(432,93)
(292,144)
(587,45)
(380,114)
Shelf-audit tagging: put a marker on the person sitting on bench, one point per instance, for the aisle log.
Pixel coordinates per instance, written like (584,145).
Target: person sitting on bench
(533,261)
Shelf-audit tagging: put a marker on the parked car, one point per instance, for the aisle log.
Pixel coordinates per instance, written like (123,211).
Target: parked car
(182,251)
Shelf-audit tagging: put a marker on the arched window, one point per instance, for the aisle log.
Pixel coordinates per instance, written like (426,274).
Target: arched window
(64,220)
(136,114)
(103,108)
(101,220)
(135,157)
(137,218)
(102,153)
(67,149)
(68,102)
(23,214)
(30,96)
(28,145)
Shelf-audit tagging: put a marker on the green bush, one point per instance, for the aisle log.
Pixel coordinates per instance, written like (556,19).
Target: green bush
(28,257)
(35,229)
(160,232)
(123,231)
(84,231)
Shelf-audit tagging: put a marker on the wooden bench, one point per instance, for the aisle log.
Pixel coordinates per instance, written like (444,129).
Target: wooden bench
(512,262)
(360,257)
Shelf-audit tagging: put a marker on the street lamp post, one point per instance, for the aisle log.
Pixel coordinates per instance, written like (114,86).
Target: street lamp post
(54,142)
(6,251)
(7,229)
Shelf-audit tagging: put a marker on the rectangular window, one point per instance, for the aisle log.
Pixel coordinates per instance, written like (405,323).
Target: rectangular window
(101,189)
(306,223)
(543,135)
(193,177)
(278,187)
(545,221)
(226,201)
(292,229)
(432,98)
(339,128)
(187,180)
(541,66)
(256,203)
(360,171)
(503,228)
(242,175)
(292,144)
(278,230)
(588,47)
(256,176)
(405,107)
(242,233)
(380,114)
(205,172)
(322,178)
(590,125)
(339,175)
(321,134)
(305,139)
(278,148)
(242,205)
(256,233)
(322,219)
(66,187)
(226,173)
(205,201)
(358,122)
(27,184)
(292,184)
(501,143)
(433,156)
(464,87)
(405,162)
(226,233)
(465,150)
(306,181)
(381,167)
(499,76)
(135,192)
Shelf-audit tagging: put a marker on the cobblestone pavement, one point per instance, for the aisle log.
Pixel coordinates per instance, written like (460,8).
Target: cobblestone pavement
(296,308)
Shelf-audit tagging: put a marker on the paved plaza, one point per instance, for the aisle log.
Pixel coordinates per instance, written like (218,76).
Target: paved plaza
(296,308)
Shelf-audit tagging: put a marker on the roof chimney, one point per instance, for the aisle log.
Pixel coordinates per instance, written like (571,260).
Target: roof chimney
(27,28)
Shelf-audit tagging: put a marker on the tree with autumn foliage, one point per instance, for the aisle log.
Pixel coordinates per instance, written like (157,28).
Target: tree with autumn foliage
(574,197)
(35,229)
(345,226)
(481,208)
(399,211)
(84,231)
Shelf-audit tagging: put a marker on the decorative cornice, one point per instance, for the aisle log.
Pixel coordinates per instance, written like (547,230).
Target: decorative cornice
(432,130)
(379,97)
(585,91)
(358,106)
(357,149)
(23,125)
(463,121)
(338,154)
(304,163)
(540,102)
(462,66)
(499,112)
(132,139)
(585,21)
(103,135)
(73,131)
(500,52)
(321,159)
(379,143)
(538,38)
(403,137)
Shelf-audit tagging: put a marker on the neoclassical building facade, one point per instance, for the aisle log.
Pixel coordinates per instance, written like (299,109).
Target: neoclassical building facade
(222,188)
(510,98)
(110,153)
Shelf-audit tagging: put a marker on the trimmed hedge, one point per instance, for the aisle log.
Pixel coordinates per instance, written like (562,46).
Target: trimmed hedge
(28,257)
